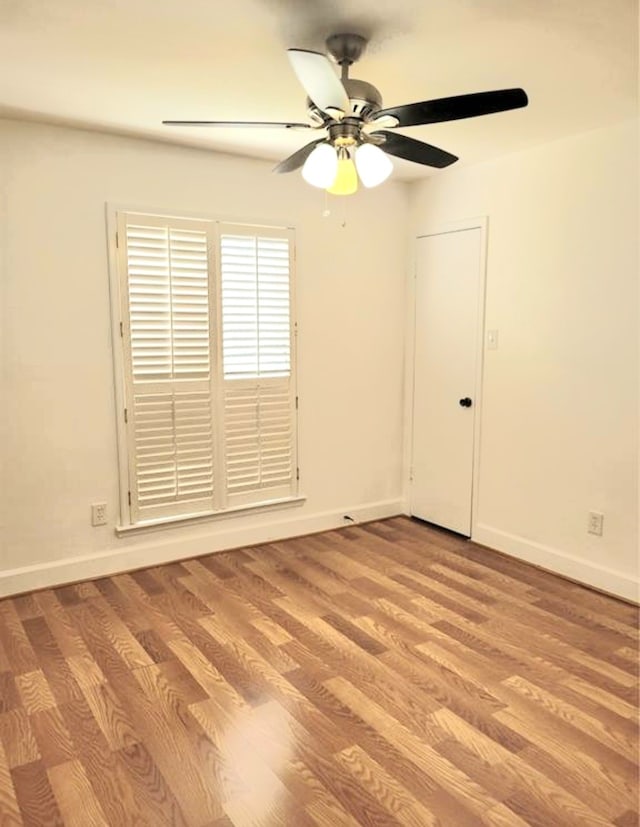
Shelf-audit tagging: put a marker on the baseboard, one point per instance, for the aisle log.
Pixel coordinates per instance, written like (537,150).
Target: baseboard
(171,545)
(554,560)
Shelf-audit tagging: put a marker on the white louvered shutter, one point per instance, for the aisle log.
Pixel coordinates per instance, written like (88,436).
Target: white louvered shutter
(166,274)
(258,390)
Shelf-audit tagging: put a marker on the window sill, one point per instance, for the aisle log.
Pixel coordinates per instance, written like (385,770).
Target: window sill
(206,517)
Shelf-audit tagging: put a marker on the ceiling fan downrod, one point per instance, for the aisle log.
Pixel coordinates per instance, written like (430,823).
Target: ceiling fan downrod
(364,99)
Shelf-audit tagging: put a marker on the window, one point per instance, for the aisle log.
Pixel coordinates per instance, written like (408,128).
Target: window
(205,326)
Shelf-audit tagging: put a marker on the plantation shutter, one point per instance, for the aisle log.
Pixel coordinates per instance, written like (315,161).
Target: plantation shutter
(166,265)
(258,391)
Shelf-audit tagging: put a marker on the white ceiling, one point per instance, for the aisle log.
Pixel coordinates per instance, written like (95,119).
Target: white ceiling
(124,65)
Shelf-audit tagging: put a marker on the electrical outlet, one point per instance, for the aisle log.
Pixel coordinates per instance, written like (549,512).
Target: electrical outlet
(595,523)
(99,514)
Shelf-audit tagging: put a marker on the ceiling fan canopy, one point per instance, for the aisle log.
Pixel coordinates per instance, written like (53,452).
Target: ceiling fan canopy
(356,127)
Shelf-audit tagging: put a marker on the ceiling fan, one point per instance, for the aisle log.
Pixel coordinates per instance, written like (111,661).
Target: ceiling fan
(350,115)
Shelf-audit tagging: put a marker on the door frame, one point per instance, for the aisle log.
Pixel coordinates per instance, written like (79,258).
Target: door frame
(477,223)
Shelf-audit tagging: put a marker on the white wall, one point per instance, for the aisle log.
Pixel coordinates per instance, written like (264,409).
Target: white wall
(59,439)
(560,415)
(559,428)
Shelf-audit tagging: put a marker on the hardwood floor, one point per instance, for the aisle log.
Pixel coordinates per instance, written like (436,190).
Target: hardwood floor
(385,674)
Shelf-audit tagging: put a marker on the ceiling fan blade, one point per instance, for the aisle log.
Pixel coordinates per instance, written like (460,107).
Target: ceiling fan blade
(319,80)
(260,124)
(455,108)
(417,151)
(298,158)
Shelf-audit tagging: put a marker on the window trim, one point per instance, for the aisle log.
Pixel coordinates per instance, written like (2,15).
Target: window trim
(208,516)
(125,525)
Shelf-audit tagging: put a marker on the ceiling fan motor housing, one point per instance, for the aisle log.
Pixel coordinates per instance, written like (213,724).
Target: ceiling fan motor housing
(364,98)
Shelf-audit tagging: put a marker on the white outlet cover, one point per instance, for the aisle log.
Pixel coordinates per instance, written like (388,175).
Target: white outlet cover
(98,514)
(595,523)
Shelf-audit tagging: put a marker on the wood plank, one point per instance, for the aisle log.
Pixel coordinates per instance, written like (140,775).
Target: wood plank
(111,716)
(153,645)
(9,808)
(26,606)
(156,798)
(53,664)
(52,737)
(37,803)
(386,789)
(74,794)
(17,649)
(102,767)
(180,750)
(9,697)
(35,691)
(16,736)
(86,671)
(120,637)
(372,740)
(416,749)
(616,741)
(67,636)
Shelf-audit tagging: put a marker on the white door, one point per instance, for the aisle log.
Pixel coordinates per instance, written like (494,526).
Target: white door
(448,294)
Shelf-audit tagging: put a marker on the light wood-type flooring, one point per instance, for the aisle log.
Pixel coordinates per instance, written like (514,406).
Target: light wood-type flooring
(380,675)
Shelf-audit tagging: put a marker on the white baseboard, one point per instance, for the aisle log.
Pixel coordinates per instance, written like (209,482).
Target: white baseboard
(554,560)
(171,544)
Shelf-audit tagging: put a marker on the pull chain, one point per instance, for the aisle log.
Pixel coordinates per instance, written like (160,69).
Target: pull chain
(326,212)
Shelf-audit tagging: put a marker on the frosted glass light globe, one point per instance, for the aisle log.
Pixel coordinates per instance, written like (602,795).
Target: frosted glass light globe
(373,165)
(321,166)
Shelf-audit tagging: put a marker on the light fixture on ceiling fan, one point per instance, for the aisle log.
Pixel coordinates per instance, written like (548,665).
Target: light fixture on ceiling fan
(357,140)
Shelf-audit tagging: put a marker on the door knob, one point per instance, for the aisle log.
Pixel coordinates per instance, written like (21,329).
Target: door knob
(466,402)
